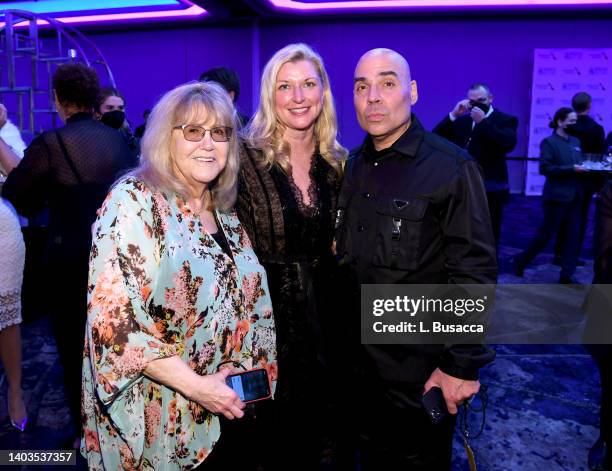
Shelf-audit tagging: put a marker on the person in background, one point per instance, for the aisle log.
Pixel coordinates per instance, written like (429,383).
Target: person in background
(230,81)
(562,196)
(177,300)
(71,170)
(412,210)
(110,109)
(289,181)
(140,130)
(488,135)
(592,143)
(12,262)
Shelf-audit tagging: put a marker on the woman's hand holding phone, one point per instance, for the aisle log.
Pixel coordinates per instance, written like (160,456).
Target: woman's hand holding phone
(216,396)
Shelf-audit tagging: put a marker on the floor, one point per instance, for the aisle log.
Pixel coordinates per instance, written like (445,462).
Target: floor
(542,410)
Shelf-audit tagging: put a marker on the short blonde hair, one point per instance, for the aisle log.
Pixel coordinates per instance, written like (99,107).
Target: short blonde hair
(189,103)
(265,131)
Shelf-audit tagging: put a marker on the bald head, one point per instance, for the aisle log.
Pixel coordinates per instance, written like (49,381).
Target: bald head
(383,95)
(381,54)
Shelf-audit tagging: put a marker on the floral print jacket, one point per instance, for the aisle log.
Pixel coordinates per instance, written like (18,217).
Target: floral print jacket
(160,285)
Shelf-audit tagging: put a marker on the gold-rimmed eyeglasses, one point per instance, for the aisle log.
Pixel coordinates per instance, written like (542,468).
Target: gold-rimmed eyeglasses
(194,133)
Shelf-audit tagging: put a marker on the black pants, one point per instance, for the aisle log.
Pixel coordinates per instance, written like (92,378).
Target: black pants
(68,277)
(556,215)
(497,200)
(396,434)
(591,184)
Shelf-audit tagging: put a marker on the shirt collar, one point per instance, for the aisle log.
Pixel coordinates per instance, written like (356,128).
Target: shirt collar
(407,144)
(79,116)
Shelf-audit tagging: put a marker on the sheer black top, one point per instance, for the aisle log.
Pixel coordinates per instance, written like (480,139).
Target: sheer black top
(71,170)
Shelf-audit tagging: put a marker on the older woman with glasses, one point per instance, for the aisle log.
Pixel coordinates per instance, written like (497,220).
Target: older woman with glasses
(289,180)
(176,292)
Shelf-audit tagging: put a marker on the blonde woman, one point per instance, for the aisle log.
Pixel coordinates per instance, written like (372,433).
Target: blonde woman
(175,293)
(289,181)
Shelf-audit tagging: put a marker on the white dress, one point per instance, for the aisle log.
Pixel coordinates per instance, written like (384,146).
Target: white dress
(12,256)
(12,248)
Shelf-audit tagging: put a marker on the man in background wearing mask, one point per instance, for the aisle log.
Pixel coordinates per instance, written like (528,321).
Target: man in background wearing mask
(592,141)
(488,135)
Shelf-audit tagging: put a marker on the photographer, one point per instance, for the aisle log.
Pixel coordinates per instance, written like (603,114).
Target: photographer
(488,135)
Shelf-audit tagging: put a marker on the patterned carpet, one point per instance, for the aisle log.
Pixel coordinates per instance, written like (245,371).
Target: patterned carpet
(543,400)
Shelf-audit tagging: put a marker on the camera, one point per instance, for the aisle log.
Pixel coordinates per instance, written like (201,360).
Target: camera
(483,106)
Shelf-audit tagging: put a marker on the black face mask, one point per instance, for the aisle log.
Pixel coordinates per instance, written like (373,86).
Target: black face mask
(570,129)
(113,119)
(483,106)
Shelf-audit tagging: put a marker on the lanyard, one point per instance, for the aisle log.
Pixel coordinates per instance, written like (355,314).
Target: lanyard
(466,434)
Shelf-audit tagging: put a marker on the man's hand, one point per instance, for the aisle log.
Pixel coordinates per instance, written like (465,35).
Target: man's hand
(3,115)
(477,114)
(460,108)
(454,390)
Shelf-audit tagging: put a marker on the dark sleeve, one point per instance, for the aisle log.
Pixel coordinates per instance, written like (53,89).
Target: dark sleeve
(603,236)
(502,134)
(465,361)
(27,185)
(470,258)
(549,162)
(469,245)
(601,139)
(244,205)
(445,128)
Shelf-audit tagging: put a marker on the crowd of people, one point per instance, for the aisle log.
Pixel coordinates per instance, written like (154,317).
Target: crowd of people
(209,244)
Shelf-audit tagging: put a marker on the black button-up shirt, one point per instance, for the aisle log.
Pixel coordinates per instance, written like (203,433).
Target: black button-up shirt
(417,213)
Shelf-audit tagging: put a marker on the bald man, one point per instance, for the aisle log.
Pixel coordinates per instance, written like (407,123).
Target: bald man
(412,210)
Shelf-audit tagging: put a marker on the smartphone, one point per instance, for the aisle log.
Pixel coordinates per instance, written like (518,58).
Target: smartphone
(251,385)
(434,404)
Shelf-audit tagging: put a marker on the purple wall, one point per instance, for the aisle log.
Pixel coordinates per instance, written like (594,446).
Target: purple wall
(146,64)
(445,54)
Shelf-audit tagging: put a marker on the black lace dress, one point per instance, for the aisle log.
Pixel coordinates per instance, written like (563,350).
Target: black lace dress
(293,241)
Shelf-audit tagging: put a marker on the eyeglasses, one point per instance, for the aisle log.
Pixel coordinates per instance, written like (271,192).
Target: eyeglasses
(194,133)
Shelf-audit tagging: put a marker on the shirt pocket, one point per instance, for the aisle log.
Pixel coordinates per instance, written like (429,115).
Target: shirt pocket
(399,224)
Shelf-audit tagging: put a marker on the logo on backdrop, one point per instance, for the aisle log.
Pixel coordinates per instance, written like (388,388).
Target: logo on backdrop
(590,70)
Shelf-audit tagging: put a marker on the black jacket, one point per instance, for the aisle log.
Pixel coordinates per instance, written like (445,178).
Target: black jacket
(435,190)
(590,134)
(488,142)
(557,159)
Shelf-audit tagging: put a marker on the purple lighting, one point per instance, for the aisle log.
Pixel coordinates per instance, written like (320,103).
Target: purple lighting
(191,12)
(407,4)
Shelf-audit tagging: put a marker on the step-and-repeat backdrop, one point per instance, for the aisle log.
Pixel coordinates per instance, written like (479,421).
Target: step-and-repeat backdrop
(557,75)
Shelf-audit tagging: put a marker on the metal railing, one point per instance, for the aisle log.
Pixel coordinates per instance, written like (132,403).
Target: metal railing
(31,47)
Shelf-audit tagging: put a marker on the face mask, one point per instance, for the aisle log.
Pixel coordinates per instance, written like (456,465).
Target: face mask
(113,119)
(570,129)
(483,106)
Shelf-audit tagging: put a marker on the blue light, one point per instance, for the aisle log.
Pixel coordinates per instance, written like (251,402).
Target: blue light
(61,6)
